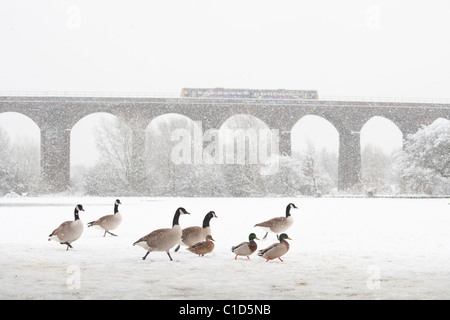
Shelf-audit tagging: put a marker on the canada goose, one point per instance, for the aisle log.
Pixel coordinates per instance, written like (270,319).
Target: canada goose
(110,221)
(280,224)
(162,239)
(204,247)
(193,235)
(276,250)
(246,248)
(69,231)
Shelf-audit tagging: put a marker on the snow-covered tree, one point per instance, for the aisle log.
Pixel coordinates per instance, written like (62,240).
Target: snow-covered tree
(112,173)
(6,180)
(287,176)
(299,175)
(19,165)
(171,170)
(425,161)
(378,170)
(25,166)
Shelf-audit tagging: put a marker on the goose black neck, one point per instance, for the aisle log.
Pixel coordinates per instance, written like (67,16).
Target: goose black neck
(288,210)
(116,208)
(76,214)
(206,220)
(176,217)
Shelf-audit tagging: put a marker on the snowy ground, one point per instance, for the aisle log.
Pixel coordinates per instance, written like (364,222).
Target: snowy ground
(341,249)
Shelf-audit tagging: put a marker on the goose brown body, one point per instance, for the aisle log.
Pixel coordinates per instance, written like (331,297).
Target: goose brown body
(196,234)
(110,221)
(162,239)
(279,224)
(69,231)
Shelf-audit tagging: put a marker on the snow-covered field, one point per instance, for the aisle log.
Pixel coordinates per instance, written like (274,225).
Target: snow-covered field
(342,248)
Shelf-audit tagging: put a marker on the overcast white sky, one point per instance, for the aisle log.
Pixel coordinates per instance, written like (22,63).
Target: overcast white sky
(340,48)
(357,48)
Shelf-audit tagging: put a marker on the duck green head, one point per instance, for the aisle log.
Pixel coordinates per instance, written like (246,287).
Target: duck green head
(284,236)
(252,236)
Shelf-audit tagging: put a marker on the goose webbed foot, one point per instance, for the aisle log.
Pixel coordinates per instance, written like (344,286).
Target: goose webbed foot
(68,245)
(169,256)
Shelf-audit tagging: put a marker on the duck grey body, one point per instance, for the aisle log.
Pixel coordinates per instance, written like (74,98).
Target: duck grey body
(163,239)
(69,231)
(245,248)
(276,250)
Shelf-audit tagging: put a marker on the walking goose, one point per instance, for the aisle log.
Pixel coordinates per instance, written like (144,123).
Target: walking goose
(193,235)
(276,250)
(69,231)
(110,221)
(245,248)
(204,247)
(162,239)
(280,224)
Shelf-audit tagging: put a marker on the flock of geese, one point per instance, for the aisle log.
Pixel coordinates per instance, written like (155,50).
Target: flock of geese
(197,239)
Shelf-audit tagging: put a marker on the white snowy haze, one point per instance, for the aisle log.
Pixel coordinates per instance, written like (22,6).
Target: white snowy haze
(340,48)
(370,49)
(362,245)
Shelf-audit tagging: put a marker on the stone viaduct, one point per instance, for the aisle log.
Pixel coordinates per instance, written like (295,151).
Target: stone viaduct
(55,116)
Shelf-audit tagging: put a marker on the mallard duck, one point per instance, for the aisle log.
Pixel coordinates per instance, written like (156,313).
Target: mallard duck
(163,239)
(280,224)
(193,235)
(204,247)
(276,250)
(245,248)
(69,231)
(110,221)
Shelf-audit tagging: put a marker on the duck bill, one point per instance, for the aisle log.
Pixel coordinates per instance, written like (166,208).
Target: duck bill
(288,238)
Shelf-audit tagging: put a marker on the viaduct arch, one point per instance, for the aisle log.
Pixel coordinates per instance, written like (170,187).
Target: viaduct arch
(56,116)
